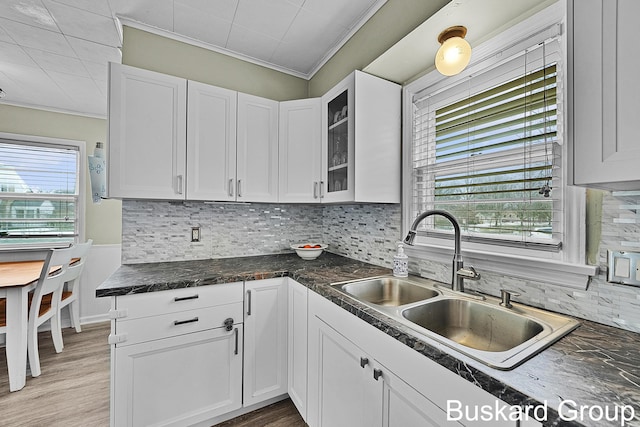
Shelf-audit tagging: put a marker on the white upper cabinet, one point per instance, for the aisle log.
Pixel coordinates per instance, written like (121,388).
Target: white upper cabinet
(257,149)
(173,139)
(211,142)
(604,92)
(214,144)
(147,134)
(299,151)
(361,144)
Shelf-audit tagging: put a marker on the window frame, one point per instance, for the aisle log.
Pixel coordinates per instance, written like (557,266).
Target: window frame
(567,266)
(82,188)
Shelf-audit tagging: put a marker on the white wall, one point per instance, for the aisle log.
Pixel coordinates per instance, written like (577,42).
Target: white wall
(101,262)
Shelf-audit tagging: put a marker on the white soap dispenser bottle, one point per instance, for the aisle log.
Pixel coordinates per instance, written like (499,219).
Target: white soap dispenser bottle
(401,262)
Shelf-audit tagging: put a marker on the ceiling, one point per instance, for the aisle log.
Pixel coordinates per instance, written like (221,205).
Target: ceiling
(54,53)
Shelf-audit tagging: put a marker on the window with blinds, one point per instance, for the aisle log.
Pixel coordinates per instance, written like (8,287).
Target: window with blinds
(38,194)
(488,151)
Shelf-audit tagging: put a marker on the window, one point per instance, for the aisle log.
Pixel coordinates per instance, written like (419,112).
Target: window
(488,151)
(488,146)
(39,193)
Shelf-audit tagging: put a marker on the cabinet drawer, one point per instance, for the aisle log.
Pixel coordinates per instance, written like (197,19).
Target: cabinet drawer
(133,331)
(176,300)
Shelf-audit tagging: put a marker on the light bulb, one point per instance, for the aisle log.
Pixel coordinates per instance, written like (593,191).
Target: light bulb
(453,56)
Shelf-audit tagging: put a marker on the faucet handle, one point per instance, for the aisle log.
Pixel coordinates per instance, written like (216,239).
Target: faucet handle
(469,273)
(505,296)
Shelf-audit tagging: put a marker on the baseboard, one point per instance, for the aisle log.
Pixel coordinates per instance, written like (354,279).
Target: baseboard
(98,318)
(241,411)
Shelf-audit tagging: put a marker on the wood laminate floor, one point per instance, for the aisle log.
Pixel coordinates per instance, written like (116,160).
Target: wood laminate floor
(73,389)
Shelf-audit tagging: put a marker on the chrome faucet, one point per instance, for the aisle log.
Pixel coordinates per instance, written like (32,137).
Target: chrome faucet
(459,273)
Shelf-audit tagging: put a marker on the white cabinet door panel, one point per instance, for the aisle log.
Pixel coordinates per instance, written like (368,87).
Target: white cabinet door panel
(343,389)
(265,365)
(178,381)
(300,151)
(211,142)
(257,149)
(297,346)
(147,134)
(604,93)
(404,406)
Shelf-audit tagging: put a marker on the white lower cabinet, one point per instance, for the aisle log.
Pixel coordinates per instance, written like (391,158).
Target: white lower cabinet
(348,387)
(297,345)
(265,342)
(198,356)
(180,380)
(360,376)
(176,356)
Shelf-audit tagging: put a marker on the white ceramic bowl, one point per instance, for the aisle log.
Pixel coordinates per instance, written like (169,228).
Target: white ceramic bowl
(308,253)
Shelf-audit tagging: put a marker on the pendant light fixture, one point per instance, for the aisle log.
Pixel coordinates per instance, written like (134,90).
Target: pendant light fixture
(454,53)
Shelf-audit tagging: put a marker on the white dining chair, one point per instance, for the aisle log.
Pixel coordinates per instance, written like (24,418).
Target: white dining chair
(44,302)
(71,292)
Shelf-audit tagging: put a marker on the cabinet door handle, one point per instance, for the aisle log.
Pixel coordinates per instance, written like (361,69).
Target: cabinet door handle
(182,322)
(231,187)
(179,190)
(236,334)
(321,189)
(377,373)
(249,302)
(178,299)
(364,362)
(315,190)
(239,188)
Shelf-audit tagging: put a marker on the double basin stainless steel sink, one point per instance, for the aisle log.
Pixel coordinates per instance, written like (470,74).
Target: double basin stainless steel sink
(480,328)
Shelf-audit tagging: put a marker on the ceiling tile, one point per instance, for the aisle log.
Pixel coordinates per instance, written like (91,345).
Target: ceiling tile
(30,36)
(269,17)
(14,54)
(97,70)
(223,9)
(5,37)
(201,26)
(84,25)
(344,13)
(32,86)
(31,12)
(83,91)
(251,43)
(158,13)
(302,49)
(90,51)
(52,62)
(101,7)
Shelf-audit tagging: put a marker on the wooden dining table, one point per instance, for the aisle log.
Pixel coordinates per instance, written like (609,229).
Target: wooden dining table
(17,279)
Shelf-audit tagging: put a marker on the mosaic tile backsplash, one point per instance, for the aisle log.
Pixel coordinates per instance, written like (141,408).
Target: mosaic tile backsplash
(154,231)
(158,231)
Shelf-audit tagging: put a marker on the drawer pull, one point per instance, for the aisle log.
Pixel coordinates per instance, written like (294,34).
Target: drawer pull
(236,332)
(182,322)
(364,362)
(377,373)
(177,299)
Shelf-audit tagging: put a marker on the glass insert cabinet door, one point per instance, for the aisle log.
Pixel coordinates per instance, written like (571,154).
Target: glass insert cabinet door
(338,143)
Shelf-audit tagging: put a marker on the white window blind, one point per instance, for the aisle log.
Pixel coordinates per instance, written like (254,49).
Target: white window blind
(488,150)
(38,193)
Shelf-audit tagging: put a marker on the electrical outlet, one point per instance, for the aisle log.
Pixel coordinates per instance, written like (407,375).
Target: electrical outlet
(195,234)
(624,267)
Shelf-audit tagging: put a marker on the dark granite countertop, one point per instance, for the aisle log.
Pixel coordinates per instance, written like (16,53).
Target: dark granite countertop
(593,367)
